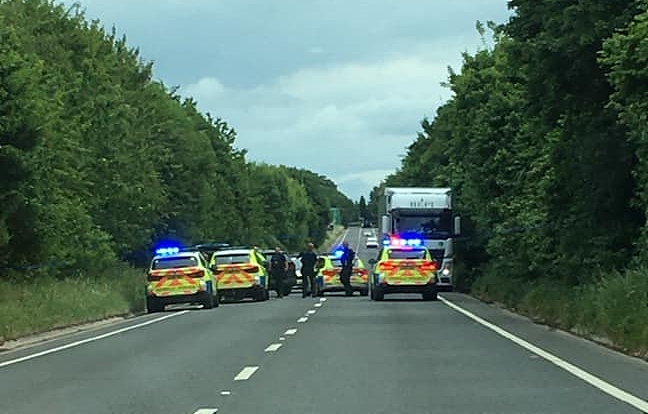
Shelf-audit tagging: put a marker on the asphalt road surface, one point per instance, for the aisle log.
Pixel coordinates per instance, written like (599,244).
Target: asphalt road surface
(342,355)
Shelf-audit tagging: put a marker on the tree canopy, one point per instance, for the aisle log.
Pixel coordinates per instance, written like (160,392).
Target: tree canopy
(98,161)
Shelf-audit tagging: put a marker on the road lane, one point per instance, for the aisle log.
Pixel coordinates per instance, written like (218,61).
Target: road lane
(408,356)
(328,355)
(167,367)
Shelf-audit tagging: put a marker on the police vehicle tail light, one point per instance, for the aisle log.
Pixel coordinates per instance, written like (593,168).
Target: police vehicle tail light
(152,277)
(428,266)
(251,269)
(361,272)
(387,266)
(197,275)
(329,272)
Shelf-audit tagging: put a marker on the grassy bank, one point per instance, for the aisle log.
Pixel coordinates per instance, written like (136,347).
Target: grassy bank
(331,237)
(612,310)
(33,307)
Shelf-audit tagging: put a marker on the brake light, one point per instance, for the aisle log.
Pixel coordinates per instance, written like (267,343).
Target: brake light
(329,272)
(428,266)
(251,269)
(386,266)
(153,278)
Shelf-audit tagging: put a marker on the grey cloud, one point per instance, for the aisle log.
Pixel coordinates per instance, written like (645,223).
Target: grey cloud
(307,82)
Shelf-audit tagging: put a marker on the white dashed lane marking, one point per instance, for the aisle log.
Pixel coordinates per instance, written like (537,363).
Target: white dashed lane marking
(312,312)
(206,411)
(291,331)
(302,319)
(246,373)
(318,305)
(273,348)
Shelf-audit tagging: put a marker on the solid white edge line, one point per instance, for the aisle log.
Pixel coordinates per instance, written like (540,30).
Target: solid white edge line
(291,331)
(273,347)
(91,339)
(302,319)
(246,373)
(607,388)
(206,411)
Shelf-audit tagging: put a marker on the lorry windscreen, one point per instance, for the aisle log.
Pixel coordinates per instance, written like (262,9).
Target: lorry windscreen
(433,225)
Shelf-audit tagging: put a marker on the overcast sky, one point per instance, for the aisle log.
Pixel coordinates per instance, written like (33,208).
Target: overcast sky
(338,87)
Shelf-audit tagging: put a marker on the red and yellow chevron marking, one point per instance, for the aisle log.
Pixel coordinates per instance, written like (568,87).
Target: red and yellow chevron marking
(407,272)
(170,282)
(236,276)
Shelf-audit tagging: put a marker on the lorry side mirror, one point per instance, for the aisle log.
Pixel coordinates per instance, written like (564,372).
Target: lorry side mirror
(385,224)
(457,225)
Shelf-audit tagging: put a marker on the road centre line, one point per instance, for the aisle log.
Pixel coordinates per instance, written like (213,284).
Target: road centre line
(302,319)
(91,339)
(318,305)
(312,312)
(291,331)
(273,347)
(606,387)
(322,299)
(246,373)
(206,411)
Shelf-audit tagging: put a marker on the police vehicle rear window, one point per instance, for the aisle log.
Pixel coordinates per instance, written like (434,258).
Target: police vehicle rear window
(336,262)
(407,254)
(174,262)
(233,259)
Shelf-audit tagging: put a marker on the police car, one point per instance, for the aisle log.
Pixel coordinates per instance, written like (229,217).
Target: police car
(327,276)
(403,266)
(177,276)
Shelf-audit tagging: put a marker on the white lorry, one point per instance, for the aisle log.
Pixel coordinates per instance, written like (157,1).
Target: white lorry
(425,213)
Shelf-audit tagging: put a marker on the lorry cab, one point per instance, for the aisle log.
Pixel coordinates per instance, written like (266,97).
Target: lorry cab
(404,266)
(426,214)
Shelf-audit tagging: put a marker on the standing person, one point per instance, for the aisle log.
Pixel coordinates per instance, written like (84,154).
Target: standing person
(308,259)
(347,259)
(278,269)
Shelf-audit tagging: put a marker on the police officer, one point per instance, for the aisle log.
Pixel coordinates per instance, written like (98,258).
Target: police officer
(308,259)
(278,270)
(347,259)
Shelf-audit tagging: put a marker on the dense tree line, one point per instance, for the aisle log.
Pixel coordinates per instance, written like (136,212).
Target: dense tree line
(99,161)
(544,141)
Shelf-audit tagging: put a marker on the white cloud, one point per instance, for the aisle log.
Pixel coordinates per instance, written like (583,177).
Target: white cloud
(351,122)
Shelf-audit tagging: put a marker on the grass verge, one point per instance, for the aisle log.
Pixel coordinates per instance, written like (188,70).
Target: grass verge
(30,307)
(331,237)
(612,311)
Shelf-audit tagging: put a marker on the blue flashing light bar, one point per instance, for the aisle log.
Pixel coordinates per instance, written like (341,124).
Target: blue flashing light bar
(164,251)
(338,253)
(402,242)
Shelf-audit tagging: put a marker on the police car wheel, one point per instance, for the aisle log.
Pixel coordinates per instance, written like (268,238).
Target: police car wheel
(208,301)
(216,300)
(364,292)
(153,305)
(430,295)
(379,294)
